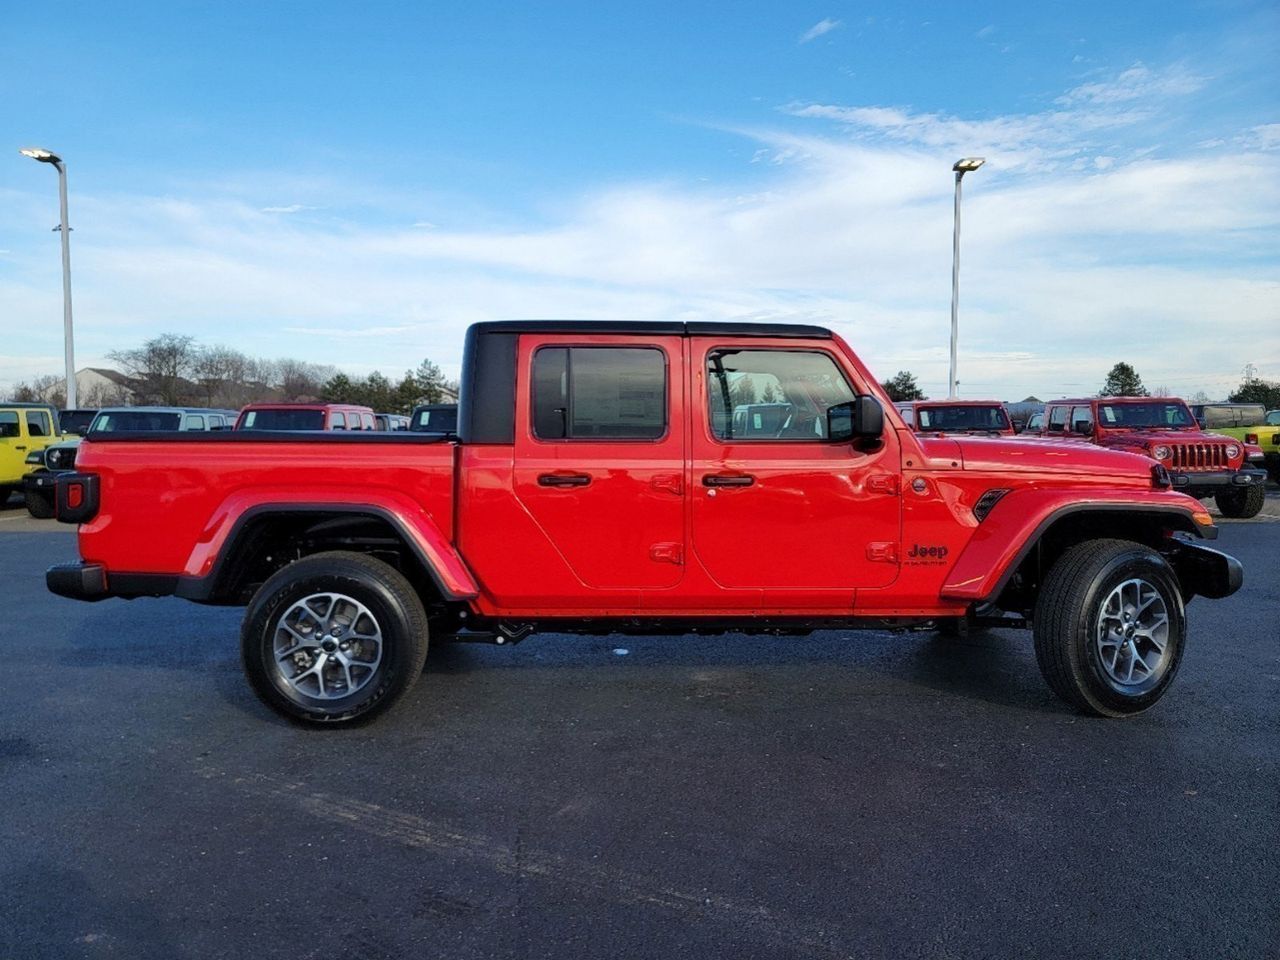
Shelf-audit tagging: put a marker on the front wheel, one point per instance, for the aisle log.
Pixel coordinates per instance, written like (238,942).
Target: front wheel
(1241,503)
(334,638)
(1110,627)
(39,505)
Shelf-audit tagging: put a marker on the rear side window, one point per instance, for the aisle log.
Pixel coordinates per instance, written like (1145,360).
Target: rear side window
(39,424)
(340,422)
(599,393)
(1081,419)
(9,424)
(193,422)
(1057,417)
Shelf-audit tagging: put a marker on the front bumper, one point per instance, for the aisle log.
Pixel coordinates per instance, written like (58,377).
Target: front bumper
(1216,481)
(1203,571)
(43,481)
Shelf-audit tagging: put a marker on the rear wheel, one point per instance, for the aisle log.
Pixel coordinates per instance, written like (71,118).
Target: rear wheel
(39,505)
(334,638)
(1110,627)
(5,491)
(1241,503)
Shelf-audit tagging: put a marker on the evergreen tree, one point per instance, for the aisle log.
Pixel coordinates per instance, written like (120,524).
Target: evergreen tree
(903,387)
(1123,381)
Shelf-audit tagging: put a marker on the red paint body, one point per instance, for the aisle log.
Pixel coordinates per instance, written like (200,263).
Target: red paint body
(824,530)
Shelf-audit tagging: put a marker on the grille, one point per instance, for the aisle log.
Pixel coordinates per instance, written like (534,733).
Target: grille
(60,459)
(1198,456)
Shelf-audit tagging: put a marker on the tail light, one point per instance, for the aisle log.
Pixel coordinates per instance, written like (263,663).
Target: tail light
(76,497)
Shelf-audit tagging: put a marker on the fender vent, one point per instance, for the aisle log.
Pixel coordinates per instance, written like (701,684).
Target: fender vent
(987,501)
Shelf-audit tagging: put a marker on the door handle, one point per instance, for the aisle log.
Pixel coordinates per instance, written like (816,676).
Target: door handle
(563,480)
(20,448)
(727,480)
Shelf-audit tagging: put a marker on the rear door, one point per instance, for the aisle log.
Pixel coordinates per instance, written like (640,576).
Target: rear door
(775,506)
(600,455)
(13,447)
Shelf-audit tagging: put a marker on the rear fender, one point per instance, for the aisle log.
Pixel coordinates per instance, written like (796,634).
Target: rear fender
(204,568)
(1022,518)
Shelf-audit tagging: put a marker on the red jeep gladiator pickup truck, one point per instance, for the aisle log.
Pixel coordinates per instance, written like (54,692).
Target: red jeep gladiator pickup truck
(1200,464)
(600,482)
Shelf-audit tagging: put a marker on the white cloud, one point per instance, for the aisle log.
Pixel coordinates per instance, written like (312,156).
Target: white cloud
(820,28)
(1138,255)
(291,208)
(986,31)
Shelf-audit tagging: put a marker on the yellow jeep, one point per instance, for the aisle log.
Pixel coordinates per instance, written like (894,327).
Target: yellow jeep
(24,427)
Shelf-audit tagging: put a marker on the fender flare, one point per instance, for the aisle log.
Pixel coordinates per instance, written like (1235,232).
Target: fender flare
(207,563)
(998,548)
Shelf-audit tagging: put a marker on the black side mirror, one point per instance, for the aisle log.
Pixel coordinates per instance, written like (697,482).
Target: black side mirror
(861,418)
(1084,427)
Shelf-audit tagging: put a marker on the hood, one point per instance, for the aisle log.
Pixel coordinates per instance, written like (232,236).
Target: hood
(1015,455)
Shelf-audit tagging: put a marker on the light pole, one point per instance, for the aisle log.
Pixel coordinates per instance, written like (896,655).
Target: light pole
(961,167)
(46,156)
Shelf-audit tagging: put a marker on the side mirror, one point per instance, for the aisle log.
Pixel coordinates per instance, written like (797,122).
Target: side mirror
(1084,427)
(861,418)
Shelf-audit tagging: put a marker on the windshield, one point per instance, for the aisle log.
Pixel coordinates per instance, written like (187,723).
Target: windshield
(282,420)
(76,421)
(967,417)
(440,420)
(1150,414)
(129,420)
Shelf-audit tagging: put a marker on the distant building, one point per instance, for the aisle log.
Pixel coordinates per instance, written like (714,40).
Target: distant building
(97,387)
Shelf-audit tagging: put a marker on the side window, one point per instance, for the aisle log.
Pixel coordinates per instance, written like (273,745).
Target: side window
(39,424)
(367,420)
(772,394)
(1057,418)
(599,393)
(1082,419)
(9,425)
(339,422)
(193,422)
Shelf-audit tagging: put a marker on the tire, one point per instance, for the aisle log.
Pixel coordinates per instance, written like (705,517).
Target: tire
(4,495)
(1079,623)
(38,505)
(332,679)
(1242,503)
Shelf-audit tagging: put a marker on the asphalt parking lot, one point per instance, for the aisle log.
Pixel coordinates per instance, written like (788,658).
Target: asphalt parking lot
(842,795)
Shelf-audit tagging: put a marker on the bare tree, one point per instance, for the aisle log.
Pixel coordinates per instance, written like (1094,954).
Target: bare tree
(162,366)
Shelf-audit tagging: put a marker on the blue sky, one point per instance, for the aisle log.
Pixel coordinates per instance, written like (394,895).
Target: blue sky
(354,183)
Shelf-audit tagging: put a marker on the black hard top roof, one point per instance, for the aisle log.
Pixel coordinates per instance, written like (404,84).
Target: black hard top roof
(655,328)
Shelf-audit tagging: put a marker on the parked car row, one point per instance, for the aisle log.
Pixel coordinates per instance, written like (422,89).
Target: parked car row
(38,443)
(1229,466)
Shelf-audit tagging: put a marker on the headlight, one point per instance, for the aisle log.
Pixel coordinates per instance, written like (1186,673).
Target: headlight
(1161,452)
(1233,451)
(35,456)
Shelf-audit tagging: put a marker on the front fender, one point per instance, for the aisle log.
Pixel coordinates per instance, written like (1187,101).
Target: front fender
(1017,522)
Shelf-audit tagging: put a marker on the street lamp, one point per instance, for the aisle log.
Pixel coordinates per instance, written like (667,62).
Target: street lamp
(961,167)
(47,156)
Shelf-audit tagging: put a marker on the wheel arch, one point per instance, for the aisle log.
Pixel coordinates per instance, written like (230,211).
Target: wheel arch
(268,536)
(1011,581)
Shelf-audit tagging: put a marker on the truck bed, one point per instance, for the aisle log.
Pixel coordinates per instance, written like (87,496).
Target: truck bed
(200,484)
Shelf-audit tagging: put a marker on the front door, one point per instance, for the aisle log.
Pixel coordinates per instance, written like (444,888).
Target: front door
(599,455)
(775,505)
(13,447)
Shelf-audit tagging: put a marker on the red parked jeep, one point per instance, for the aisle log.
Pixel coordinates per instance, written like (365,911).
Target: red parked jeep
(1163,428)
(602,479)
